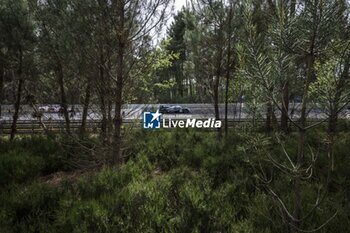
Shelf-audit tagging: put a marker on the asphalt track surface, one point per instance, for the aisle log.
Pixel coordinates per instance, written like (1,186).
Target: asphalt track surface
(135,111)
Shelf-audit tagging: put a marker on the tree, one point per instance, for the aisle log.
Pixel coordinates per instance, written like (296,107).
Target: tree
(268,59)
(177,45)
(212,45)
(17,44)
(55,47)
(134,21)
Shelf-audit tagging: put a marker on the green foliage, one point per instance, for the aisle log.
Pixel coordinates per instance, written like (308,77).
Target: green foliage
(198,184)
(325,86)
(331,86)
(179,201)
(28,208)
(17,166)
(154,62)
(28,158)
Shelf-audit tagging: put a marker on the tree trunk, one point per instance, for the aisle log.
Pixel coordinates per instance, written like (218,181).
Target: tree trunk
(85,107)
(269,117)
(332,120)
(190,89)
(285,107)
(109,105)
(63,96)
(18,97)
(17,107)
(118,118)
(297,192)
(109,120)
(2,74)
(117,152)
(310,59)
(2,71)
(104,122)
(226,103)
(101,85)
(228,69)
(216,87)
(216,98)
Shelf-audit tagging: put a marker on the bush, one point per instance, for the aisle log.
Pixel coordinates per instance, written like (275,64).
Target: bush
(19,166)
(28,209)
(198,184)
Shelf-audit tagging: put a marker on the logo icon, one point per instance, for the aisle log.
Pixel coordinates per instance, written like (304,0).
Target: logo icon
(151,120)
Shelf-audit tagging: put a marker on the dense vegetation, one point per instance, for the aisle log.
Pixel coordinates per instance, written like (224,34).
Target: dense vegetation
(289,174)
(198,184)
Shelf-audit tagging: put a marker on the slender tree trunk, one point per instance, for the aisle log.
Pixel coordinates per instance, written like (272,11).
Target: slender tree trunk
(332,120)
(104,122)
(18,97)
(109,120)
(86,106)
(101,84)
(117,147)
(240,110)
(2,74)
(63,96)
(191,89)
(273,118)
(216,98)
(17,107)
(297,192)
(109,106)
(226,103)
(285,107)
(285,87)
(332,128)
(269,117)
(310,59)
(228,69)
(117,153)
(179,73)
(216,86)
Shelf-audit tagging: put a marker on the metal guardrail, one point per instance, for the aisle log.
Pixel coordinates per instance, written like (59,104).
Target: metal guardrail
(34,127)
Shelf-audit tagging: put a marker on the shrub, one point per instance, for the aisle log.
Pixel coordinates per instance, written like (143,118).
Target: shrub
(19,166)
(28,209)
